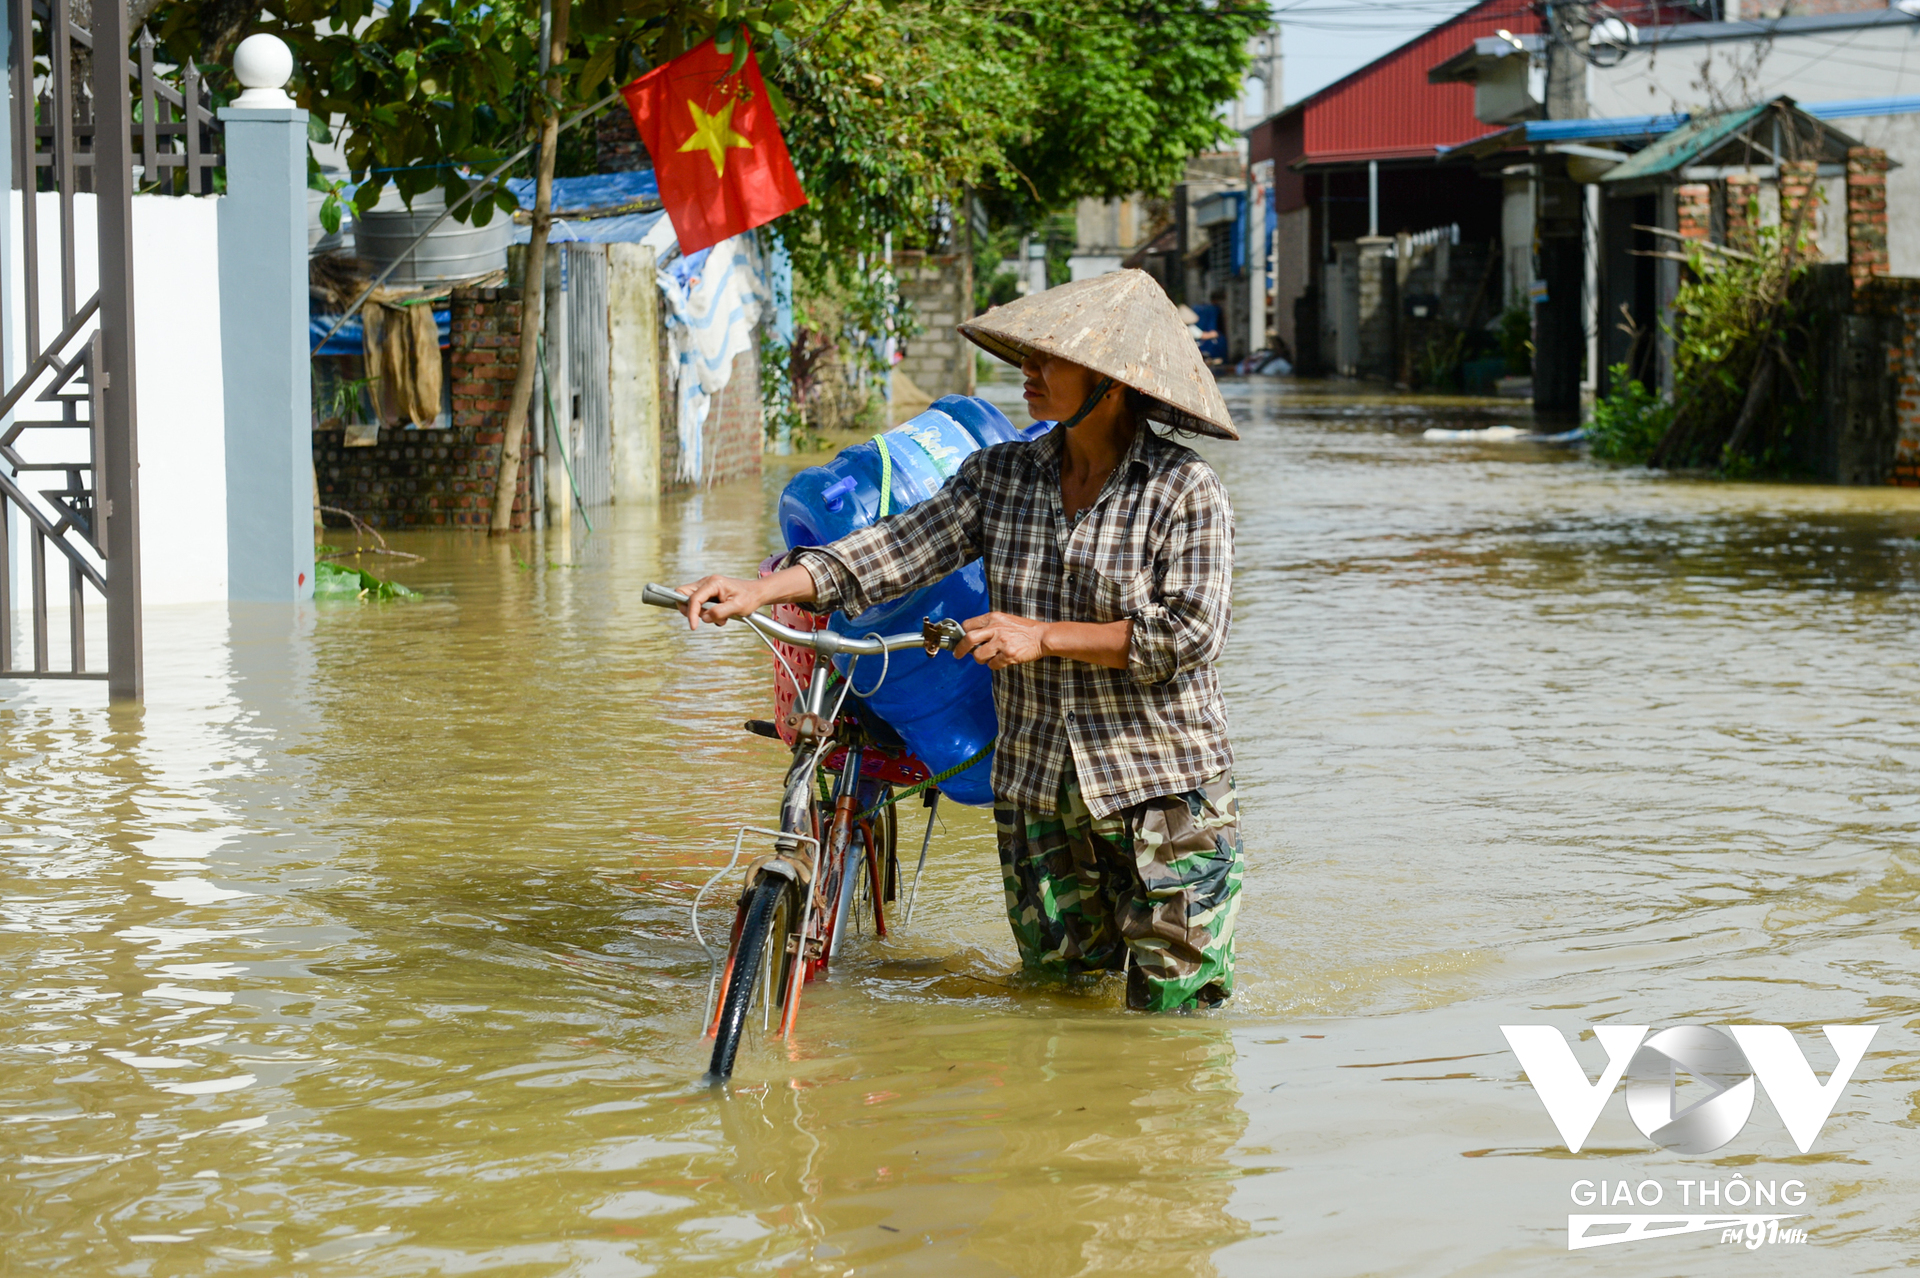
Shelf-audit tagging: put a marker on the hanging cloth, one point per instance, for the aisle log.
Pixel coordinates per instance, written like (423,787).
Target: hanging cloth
(402,345)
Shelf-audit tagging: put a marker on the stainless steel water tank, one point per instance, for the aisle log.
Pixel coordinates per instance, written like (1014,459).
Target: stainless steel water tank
(455,250)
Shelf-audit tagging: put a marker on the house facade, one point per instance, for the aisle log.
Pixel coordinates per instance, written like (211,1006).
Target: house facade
(1568,226)
(1356,162)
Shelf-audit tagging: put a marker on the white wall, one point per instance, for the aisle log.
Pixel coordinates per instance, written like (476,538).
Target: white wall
(181,424)
(1292,271)
(1516,239)
(176,327)
(1819,66)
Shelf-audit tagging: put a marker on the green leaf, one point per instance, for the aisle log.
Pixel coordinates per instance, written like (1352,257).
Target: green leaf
(330,213)
(598,68)
(778,101)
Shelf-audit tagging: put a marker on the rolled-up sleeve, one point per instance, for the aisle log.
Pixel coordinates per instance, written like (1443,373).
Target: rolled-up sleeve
(902,552)
(1185,625)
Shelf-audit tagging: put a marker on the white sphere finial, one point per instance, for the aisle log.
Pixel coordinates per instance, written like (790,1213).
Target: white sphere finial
(263,64)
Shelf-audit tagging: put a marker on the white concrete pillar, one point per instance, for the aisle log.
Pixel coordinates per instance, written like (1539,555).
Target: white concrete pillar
(633,308)
(263,332)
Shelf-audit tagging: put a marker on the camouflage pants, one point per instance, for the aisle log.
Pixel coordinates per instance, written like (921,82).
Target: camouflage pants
(1157,883)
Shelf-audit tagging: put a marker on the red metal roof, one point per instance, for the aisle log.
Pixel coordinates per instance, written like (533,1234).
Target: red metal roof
(1386,110)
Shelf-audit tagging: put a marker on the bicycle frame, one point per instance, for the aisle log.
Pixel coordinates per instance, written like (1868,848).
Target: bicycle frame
(834,882)
(830,893)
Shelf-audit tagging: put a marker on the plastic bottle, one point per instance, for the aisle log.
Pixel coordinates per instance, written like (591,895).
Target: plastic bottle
(941,707)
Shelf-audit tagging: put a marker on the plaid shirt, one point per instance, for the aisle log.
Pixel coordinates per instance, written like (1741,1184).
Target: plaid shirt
(1155,546)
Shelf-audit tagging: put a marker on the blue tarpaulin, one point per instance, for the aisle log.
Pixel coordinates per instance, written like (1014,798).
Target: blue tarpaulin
(351,340)
(598,191)
(628,228)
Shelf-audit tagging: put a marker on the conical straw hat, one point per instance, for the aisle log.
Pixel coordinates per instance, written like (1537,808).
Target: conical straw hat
(1122,326)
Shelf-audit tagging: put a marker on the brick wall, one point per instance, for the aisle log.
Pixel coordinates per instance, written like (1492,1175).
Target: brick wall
(617,144)
(1693,209)
(940,286)
(1797,180)
(1898,300)
(1743,194)
(736,430)
(1866,213)
(440,478)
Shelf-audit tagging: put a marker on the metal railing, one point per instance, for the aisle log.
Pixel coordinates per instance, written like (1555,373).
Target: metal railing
(177,133)
(1429,238)
(65,144)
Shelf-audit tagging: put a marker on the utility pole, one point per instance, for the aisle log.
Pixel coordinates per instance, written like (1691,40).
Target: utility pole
(1559,336)
(1567,35)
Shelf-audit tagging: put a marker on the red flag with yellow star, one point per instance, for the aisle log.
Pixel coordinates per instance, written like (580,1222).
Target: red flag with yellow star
(717,151)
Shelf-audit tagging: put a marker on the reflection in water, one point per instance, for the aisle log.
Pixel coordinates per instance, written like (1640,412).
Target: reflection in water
(363,948)
(1011,1147)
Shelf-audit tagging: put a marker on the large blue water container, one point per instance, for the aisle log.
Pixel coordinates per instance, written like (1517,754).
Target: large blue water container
(942,708)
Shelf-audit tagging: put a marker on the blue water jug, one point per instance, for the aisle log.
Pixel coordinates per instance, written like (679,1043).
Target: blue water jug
(942,708)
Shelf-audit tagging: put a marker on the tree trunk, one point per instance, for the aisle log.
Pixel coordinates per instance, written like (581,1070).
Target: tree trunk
(138,11)
(1759,393)
(533,295)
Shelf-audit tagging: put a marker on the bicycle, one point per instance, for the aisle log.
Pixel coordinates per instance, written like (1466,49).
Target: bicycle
(834,852)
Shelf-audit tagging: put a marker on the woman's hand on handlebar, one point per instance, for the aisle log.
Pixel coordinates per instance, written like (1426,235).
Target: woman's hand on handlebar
(725,598)
(719,600)
(999,639)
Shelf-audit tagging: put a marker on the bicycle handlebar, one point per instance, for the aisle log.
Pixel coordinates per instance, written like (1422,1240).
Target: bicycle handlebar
(933,637)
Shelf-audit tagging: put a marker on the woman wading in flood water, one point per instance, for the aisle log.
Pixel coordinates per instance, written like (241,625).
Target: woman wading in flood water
(1109,562)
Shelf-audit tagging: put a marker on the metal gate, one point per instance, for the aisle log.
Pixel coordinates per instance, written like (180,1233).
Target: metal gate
(69,491)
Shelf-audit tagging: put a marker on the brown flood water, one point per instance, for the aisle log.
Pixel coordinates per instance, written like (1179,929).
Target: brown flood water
(363,948)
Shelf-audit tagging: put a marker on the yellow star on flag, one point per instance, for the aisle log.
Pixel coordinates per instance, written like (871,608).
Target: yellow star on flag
(714,134)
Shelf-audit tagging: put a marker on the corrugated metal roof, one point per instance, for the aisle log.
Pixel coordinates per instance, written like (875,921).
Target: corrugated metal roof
(1678,148)
(1386,109)
(1619,126)
(626,228)
(595,191)
(1854,108)
(1613,128)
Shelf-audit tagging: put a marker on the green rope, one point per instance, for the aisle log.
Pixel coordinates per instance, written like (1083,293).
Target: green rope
(886,474)
(929,783)
(554,429)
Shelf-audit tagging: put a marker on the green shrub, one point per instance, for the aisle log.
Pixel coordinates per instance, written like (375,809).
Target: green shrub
(1630,423)
(1516,338)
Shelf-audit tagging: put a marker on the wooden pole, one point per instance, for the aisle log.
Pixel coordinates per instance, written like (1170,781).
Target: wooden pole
(533,289)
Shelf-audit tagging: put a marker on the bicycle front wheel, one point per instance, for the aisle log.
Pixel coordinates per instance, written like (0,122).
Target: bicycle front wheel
(762,965)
